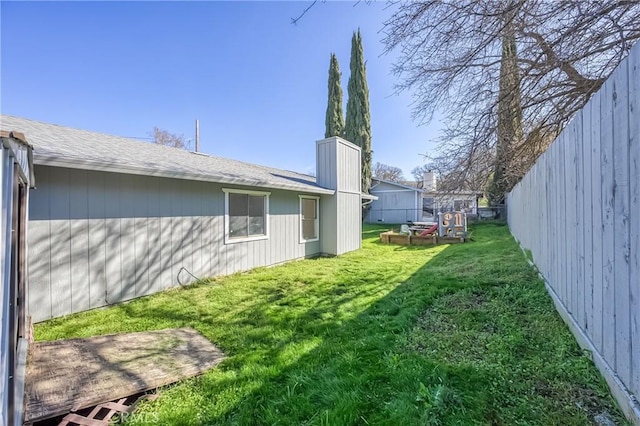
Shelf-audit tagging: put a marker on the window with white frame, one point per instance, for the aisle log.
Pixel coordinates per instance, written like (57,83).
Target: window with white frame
(309,221)
(246,215)
(462,205)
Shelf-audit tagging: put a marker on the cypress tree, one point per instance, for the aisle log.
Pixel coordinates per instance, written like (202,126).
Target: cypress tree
(509,131)
(334,121)
(358,122)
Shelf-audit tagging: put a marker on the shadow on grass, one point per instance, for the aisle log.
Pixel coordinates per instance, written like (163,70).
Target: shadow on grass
(461,334)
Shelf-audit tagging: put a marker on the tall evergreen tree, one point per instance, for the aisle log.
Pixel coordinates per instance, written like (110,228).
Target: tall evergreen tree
(509,131)
(358,122)
(334,121)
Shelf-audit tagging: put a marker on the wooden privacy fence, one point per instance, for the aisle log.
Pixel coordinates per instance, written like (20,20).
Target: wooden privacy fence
(578,212)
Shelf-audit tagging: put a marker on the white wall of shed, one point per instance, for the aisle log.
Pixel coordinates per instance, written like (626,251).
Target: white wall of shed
(6,174)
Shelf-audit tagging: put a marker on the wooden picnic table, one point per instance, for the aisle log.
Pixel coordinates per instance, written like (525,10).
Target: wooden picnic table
(417,227)
(424,224)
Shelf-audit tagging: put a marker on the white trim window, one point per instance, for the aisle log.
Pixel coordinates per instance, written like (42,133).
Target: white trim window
(309,219)
(246,215)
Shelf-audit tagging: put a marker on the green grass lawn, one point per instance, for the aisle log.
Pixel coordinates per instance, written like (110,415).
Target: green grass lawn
(461,334)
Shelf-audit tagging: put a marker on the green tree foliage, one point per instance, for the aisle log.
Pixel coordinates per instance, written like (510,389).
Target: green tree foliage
(358,122)
(334,121)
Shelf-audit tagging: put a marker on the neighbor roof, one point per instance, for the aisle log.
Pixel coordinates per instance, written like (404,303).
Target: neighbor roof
(399,185)
(68,147)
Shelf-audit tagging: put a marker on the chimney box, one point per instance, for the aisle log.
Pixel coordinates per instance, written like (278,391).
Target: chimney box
(429,181)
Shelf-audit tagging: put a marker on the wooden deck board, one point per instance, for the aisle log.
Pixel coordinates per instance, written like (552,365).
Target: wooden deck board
(67,375)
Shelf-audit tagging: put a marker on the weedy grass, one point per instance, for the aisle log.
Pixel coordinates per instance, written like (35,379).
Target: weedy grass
(459,334)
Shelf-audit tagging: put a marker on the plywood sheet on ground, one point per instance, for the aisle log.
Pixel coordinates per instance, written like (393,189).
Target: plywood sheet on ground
(67,375)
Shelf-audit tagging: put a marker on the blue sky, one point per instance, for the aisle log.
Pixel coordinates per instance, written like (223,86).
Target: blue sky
(257,83)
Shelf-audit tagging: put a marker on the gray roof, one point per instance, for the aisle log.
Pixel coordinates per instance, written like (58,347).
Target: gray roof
(399,185)
(67,147)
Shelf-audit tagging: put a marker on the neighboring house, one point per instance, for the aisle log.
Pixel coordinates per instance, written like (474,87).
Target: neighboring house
(396,203)
(114,218)
(417,201)
(16,174)
(434,201)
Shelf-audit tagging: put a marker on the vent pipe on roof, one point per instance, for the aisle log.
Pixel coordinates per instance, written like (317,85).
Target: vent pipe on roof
(197,135)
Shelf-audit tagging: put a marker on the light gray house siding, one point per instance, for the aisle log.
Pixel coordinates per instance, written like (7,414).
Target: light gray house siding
(98,238)
(395,204)
(338,168)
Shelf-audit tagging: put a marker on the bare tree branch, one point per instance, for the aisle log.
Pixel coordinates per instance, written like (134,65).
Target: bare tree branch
(294,21)
(163,137)
(449,57)
(387,172)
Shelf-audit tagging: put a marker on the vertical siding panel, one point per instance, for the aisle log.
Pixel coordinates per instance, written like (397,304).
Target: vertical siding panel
(188,227)
(598,225)
(220,249)
(207,231)
(196,229)
(176,229)
(195,207)
(634,214)
(97,238)
(39,290)
(127,237)
(203,237)
(79,224)
(114,286)
(141,235)
(287,224)
(256,256)
(166,253)
(61,290)
(218,232)
(620,100)
(606,156)
(154,235)
(39,240)
(282,240)
(251,249)
(285,221)
(277,246)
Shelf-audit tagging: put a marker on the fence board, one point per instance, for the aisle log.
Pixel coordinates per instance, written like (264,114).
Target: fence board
(587,230)
(620,100)
(606,157)
(596,214)
(634,213)
(580,288)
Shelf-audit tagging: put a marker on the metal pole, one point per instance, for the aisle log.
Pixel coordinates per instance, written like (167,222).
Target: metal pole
(197,135)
